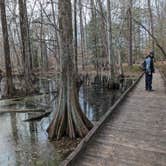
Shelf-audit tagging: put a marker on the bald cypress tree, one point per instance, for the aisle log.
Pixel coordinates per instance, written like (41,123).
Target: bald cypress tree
(69,120)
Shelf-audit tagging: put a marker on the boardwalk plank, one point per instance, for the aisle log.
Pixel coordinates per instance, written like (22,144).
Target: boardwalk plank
(135,134)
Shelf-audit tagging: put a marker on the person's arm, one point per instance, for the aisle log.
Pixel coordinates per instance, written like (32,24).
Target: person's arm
(144,66)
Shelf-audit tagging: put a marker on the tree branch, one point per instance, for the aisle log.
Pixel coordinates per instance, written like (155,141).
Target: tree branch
(152,36)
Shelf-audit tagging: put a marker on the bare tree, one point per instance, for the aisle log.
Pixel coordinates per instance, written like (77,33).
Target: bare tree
(153,37)
(110,43)
(6,46)
(82,35)
(75,36)
(130,25)
(26,48)
(103,30)
(68,120)
(94,35)
(151,23)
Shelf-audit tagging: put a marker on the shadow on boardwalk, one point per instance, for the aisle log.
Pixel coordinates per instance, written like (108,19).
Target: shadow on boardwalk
(135,134)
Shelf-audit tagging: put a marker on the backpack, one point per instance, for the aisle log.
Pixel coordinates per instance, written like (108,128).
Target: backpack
(148,65)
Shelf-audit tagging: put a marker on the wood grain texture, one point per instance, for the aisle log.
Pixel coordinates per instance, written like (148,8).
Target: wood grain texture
(135,134)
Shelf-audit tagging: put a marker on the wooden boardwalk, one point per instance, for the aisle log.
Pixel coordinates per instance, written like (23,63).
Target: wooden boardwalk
(135,134)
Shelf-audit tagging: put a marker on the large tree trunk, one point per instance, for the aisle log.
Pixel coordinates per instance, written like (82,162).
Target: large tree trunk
(82,36)
(75,37)
(57,49)
(6,49)
(130,61)
(26,49)
(103,30)
(151,22)
(68,120)
(94,35)
(110,44)
(41,63)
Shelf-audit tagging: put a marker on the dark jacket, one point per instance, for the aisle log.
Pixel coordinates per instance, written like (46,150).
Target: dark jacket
(151,64)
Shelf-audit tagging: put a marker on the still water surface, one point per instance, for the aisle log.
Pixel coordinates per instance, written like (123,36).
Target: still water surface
(26,143)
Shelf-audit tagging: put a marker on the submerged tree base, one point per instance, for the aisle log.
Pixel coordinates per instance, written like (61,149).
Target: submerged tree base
(69,120)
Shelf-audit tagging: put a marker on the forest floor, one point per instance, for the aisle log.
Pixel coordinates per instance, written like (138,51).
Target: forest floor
(128,72)
(132,71)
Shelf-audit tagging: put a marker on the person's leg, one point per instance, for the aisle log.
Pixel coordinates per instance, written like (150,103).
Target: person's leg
(150,82)
(146,81)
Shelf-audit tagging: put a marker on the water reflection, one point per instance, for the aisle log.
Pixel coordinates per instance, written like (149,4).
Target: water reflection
(26,143)
(95,100)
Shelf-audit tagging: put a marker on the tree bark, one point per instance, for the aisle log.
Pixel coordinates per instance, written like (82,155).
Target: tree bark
(110,47)
(130,34)
(57,54)
(94,35)
(75,36)
(68,120)
(6,49)
(26,49)
(82,35)
(151,23)
(41,63)
(103,30)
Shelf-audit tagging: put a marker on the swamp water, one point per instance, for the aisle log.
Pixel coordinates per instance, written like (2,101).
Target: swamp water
(26,143)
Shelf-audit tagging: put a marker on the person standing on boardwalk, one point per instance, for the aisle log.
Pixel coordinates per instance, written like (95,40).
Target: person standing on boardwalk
(149,70)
